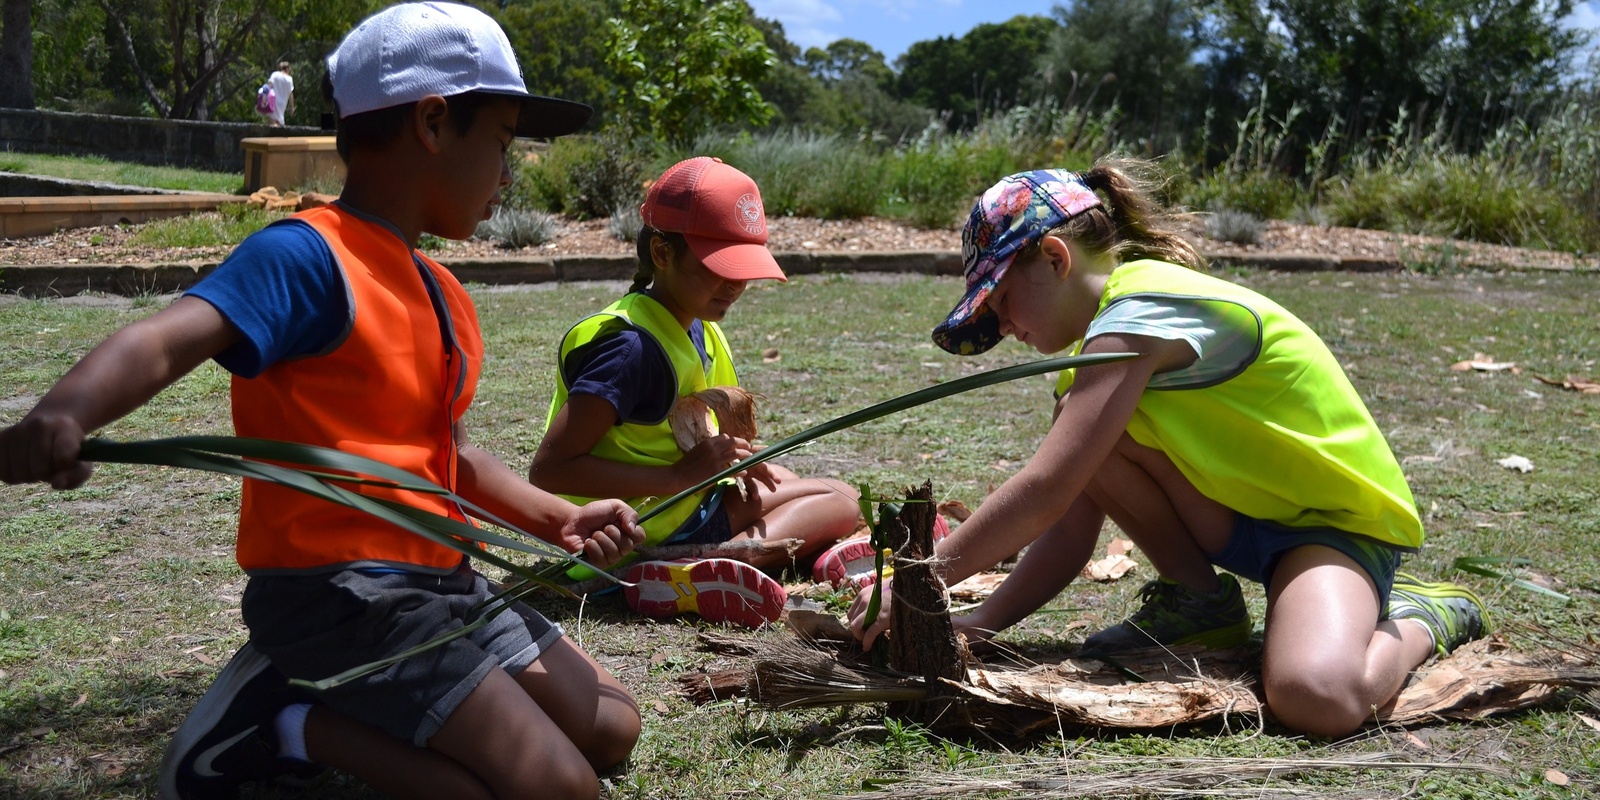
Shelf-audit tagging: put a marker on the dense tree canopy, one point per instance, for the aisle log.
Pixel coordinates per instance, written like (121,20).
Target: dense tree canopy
(991,68)
(1175,73)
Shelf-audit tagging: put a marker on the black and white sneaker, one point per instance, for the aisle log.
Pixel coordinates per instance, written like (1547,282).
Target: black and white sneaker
(228,739)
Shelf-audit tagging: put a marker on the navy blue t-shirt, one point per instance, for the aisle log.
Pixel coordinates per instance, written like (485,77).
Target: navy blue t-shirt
(630,370)
(283,290)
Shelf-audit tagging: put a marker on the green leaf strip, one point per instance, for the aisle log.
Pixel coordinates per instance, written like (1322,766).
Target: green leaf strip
(893,406)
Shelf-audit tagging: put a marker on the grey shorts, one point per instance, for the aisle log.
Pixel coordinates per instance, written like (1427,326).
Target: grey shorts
(1257,545)
(316,626)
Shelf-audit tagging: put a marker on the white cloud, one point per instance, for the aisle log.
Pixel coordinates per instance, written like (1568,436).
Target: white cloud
(805,22)
(1585,16)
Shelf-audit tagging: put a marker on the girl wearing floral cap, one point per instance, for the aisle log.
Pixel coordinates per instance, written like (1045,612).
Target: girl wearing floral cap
(621,372)
(1232,439)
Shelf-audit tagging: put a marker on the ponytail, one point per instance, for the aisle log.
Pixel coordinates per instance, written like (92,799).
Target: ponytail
(1130,225)
(644,272)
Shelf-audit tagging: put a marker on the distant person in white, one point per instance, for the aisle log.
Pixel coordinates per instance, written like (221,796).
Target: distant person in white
(283,87)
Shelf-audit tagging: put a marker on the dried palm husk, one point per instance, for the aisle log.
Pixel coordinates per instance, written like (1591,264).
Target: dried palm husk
(1167,687)
(1486,677)
(721,409)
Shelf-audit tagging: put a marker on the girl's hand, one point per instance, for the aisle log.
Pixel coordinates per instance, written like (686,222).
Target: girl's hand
(710,457)
(602,532)
(858,614)
(976,628)
(44,447)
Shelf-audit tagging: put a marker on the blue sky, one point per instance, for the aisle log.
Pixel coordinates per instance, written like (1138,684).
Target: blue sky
(892,25)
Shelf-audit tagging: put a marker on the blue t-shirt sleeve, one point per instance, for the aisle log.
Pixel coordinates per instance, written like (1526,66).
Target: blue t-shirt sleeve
(626,369)
(283,290)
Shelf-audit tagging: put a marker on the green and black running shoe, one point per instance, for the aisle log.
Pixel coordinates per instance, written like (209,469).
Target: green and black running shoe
(1173,614)
(1451,612)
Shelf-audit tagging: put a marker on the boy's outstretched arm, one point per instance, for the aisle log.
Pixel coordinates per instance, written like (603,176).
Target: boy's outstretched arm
(116,377)
(602,531)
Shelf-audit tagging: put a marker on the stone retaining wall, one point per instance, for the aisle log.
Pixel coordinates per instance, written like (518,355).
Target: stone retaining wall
(161,142)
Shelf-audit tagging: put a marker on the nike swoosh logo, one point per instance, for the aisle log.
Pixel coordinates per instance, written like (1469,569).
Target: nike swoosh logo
(202,765)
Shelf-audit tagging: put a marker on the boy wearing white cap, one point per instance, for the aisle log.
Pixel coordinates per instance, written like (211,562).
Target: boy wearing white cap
(340,333)
(623,369)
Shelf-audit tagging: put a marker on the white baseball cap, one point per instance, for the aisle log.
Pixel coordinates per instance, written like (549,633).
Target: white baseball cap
(409,51)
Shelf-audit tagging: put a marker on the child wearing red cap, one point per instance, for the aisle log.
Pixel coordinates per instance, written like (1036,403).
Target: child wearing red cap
(1232,439)
(340,333)
(622,370)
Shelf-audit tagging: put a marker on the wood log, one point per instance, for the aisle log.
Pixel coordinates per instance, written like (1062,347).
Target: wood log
(922,641)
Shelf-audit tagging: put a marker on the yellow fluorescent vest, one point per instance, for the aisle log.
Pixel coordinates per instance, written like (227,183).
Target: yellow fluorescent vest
(649,444)
(1286,438)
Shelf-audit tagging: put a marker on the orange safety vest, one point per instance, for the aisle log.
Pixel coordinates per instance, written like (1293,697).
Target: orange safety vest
(389,391)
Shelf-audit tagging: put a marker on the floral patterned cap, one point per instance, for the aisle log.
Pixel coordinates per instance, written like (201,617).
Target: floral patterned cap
(1010,217)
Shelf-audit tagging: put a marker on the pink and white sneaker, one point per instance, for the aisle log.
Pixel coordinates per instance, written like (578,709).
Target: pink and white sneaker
(718,589)
(852,561)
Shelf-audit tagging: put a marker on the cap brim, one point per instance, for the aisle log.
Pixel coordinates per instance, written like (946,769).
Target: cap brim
(546,117)
(736,261)
(970,328)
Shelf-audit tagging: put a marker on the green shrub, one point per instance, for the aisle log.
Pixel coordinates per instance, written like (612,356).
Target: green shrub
(517,228)
(1262,193)
(581,176)
(1446,194)
(802,173)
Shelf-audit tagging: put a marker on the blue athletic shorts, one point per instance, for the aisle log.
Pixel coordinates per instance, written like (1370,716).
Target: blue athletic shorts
(317,626)
(707,525)
(1256,547)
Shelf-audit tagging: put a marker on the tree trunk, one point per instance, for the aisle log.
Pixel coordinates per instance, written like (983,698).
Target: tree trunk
(16,55)
(922,641)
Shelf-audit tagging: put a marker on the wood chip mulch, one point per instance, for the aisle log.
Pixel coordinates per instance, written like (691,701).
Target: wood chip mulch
(114,245)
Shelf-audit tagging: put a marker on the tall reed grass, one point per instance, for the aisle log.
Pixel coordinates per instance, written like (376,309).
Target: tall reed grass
(1535,183)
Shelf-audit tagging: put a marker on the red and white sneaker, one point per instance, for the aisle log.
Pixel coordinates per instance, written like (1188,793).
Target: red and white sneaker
(852,561)
(718,589)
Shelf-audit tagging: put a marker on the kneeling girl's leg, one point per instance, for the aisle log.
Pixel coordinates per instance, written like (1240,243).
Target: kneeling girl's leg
(1328,662)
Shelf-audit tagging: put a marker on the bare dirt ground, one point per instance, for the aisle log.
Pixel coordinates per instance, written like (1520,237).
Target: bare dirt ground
(114,245)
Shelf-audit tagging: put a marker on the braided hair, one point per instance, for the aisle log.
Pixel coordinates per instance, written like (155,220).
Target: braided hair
(645,269)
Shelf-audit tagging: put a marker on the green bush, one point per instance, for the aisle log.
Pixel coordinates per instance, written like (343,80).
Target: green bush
(1263,194)
(581,176)
(1464,197)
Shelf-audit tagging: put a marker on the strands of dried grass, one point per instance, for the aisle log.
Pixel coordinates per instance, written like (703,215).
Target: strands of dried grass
(793,675)
(1143,776)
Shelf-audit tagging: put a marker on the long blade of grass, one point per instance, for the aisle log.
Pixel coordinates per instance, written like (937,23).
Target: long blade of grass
(1478,565)
(186,452)
(893,406)
(351,465)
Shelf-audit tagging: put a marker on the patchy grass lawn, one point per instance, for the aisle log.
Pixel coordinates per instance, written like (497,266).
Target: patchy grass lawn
(121,599)
(97,168)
